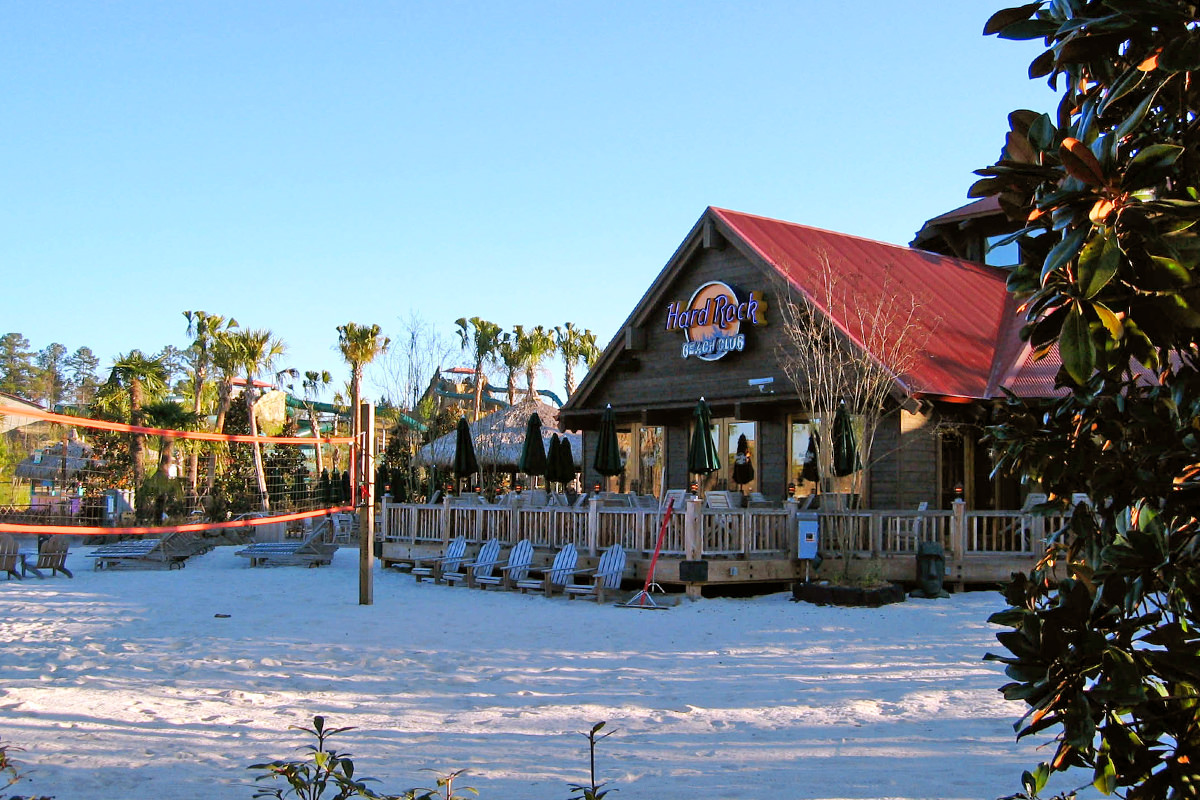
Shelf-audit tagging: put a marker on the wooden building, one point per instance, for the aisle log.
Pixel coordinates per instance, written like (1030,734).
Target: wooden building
(669,353)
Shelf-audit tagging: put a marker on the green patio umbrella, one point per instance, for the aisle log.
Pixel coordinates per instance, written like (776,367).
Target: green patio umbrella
(845,450)
(552,472)
(465,463)
(566,461)
(743,468)
(533,452)
(608,450)
(702,452)
(810,471)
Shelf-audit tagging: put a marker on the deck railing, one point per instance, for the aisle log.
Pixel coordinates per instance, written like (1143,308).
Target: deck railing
(694,532)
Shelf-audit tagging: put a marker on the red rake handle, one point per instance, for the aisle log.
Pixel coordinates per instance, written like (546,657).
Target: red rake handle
(662,533)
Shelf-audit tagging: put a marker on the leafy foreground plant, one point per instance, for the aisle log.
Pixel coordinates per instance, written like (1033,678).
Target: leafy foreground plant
(10,774)
(592,791)
(1104,639)
(329,775)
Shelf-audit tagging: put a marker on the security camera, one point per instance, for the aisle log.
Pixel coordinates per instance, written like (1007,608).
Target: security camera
(760,382)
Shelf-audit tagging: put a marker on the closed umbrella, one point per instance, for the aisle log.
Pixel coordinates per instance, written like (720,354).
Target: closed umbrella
(702,452)
(608,450)
(465,463)
(810,471)
(533,452)
(334,490)
(552,472)
(743,468)
(566,461)
(845,450)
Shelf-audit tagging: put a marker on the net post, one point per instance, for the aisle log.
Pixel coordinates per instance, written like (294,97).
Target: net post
(365,498)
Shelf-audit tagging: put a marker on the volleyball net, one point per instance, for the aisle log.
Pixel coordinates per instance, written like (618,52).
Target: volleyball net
(62,474)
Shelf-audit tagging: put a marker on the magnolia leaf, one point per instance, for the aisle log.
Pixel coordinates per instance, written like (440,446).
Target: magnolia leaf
(1109,320)
(1150,166)
(1042,66)
(1105,776)
(1019,149)
(1135,117)
(1181,54)
(1121,87)
(1008,16)
(1075,346)
(1042,132)
(1062,253)
(1098,262)
(1079,162)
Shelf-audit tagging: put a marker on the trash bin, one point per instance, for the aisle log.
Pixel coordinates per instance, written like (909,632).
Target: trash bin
(931,570)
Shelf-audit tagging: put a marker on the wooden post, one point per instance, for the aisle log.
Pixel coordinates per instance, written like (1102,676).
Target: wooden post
(693,542)
(958,537)
(875,533)
(593,531)
(366,503)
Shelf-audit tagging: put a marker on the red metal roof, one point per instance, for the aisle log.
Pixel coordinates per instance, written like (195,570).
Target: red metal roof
(970,319)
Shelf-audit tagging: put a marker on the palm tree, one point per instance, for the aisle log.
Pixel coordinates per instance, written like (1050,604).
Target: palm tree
(574,346)
(359,346)
(508,352)
(536,347)
(226,360)
(206,330)
(482,338)
(257,351)
(140,376)
(314,383)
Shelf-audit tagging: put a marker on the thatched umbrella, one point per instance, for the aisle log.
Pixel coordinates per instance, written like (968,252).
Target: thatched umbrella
(702,452)
(499,437)
(50,464)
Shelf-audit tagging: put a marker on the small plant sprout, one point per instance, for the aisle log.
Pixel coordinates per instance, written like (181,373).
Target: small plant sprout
(444,789)
(592,790)
(326,771)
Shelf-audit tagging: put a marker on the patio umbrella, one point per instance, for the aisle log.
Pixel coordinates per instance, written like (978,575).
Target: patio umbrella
(465,463)
(743,469)
(702,453)
(845,450)
(552,472)
(608,450)
(533,452)
(566,461)
(333,491)
(809,471)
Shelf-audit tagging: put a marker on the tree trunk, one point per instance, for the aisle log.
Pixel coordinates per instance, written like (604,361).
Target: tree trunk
(194,458)
(312,418)
(260,473)
(225,398)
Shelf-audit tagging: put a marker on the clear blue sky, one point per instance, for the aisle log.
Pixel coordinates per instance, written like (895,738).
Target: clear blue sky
(299,165)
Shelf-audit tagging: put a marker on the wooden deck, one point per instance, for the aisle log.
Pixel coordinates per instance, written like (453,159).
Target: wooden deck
(735,546)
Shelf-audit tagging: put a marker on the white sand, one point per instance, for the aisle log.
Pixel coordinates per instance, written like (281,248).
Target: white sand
(125,685)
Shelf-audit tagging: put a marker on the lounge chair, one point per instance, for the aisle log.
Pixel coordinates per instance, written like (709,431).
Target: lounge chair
(606,577)
(10,557)
(148,552)
(456,553)
(555,577)
(482,566)
(313,551)
(53,556)
(517,568)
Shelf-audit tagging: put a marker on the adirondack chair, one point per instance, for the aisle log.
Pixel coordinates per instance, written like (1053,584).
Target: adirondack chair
(556,577)
(456,552)
(53,556)
(718,501)
(606,577)
(484,564)
(313,551)
(517,569)
(678,495)
(10,557)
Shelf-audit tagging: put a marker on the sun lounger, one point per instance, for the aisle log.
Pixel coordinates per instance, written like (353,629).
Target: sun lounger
(556,577)
(146,553)
(314,551)
(517,568)
(605,578)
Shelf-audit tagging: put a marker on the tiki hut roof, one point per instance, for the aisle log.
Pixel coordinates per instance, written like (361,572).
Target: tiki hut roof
(499,437)
(47,464)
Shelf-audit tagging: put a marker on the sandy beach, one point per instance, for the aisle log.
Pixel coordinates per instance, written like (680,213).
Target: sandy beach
(134,684)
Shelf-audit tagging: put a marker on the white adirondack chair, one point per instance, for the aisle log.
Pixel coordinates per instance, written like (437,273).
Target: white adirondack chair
(556,577)
(483,564)
(456,552)
(517,569)
(606,577)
